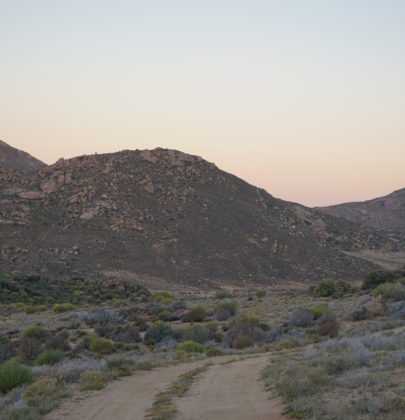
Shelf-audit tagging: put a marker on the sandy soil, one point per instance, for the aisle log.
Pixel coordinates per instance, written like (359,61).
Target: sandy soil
(225,391)
(125,399)
(230,391)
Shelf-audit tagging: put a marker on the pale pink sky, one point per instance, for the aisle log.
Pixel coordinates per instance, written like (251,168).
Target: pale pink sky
(304,99)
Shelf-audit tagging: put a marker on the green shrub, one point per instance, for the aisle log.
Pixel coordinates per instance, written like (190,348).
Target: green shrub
(361,314)
(242,342)
(50,357)
(162,297)
(197,333)
(400,280)
(327,287)
(390,291)
(191,346)
(13,374)
(222,294)
(252,320)
(213,351)
(318,310)
(101,345)
(260,293)
(228,306)
(122,366)
(44,394)
(196,313)
(42,308)
(300,381)
(93,380)
(30,309)
(376,277)
(63,307)
(20,413)
(35,331)
(157,332)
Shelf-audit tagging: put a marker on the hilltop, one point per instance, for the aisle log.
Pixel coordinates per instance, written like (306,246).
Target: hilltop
(164,215)
(386,213)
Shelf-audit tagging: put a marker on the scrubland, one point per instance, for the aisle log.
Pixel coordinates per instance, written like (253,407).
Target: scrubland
(331,352)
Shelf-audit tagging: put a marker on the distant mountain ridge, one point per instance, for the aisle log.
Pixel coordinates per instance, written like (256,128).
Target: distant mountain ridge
(13,158)
(386,213)
(163,214)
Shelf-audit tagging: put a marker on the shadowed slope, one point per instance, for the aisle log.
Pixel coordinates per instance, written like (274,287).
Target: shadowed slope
(165,214)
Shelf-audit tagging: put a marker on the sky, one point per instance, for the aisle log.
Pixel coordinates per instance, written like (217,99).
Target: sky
(303,98)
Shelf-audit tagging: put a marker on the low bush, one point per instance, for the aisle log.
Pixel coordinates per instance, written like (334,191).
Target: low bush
(191,346)
(299,382)
(360,314)
(101,345)
(327,287)
(212,351)
(196,313)
(29,348)
(35,331)
(301,318)
(260,293)
(197,333)
(20,413)
(7,351)
(390,291)
(127,335)
(222,294)
(122,366)
(50,357)
(318,310)
(44,394)
(242,342)
(30,309)
(229,306)
(162,297)
(157,332)
(93,380)
(246,326)
(376,277)
(13,374)
(329,328)
(63,307)
(224,311)
(58,342)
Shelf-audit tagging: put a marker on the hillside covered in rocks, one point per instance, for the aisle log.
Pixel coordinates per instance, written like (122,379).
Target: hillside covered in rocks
(163,214)
(386,213)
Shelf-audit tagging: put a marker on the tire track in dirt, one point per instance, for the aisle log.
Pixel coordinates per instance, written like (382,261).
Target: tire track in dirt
(230,391)
(125,399)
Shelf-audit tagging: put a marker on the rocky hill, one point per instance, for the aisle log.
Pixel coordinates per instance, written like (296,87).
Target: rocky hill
(386,213)
(17,159)
(163,214)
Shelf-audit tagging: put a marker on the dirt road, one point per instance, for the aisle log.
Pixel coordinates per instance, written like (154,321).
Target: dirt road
(224,391)
(230,391)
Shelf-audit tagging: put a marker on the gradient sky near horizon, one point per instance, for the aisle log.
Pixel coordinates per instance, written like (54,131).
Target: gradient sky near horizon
(303,98)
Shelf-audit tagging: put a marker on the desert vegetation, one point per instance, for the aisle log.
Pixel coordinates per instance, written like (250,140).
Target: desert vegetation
(330,340)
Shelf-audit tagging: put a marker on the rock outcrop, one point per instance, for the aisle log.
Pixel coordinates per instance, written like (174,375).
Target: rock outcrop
(165,214)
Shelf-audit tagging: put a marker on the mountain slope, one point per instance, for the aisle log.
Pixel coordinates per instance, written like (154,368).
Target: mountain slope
(168,215)
(17,159)
(386,213)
